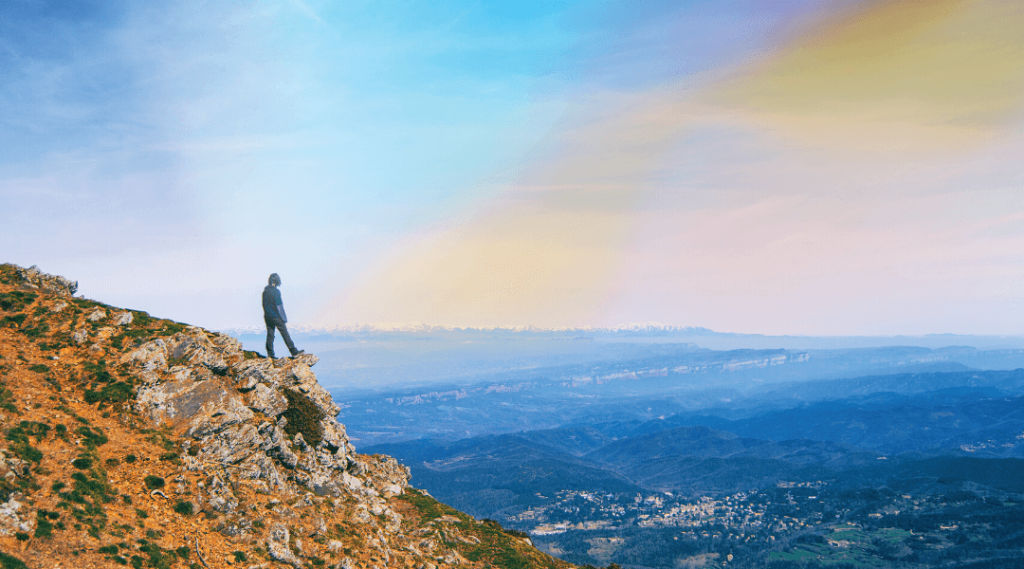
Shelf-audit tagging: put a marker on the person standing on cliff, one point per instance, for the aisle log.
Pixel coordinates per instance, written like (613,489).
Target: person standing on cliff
(274,316)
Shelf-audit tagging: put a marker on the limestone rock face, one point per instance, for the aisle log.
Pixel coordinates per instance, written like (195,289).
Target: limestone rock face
(11,521)
(231,408)
(150,356)
(194,347)
(201,403)
(97,315)
(266,400)
(55,284)
(277,546)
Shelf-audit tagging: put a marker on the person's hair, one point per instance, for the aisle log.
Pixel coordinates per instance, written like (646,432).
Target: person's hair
(274,279)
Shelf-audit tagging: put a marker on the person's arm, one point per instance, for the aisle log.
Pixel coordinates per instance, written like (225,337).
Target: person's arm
(280,305)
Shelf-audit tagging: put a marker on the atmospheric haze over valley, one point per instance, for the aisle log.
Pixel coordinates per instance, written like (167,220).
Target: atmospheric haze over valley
(653,446)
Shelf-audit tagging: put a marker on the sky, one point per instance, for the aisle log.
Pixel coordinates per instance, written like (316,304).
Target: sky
(801,167)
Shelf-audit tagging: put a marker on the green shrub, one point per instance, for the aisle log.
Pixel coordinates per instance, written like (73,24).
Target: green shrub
(14,321)
(184,508)
(11,562)
(108,550)
(140,318)
(303,417)
(20,444)
(154,482)
(130,459)
(119,392)
(44,529)
(82,463)
(37,331)
(158,558)
(7,400)
(39,368)
(112,462)
(91,438)
(16,300)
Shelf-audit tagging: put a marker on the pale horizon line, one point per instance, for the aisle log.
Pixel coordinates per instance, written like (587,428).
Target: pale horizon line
(648,327)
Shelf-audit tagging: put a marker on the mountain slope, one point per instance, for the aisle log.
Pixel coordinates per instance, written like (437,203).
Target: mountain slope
(132,440)
(493,475)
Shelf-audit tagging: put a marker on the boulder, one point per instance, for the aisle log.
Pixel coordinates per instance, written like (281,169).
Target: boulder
(123,319)
(266,400)
(198,404)
(11,521)
(216,414)
(151,356)
(231,445)
(277,546)
(194,347)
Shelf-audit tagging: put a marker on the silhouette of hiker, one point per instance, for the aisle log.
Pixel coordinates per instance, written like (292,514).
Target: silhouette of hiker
(274,316)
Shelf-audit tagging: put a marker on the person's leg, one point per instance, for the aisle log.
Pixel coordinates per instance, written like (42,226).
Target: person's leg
(286,337)
(270,339)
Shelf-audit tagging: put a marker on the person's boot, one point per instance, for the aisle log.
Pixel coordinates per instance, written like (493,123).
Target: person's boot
(298,353)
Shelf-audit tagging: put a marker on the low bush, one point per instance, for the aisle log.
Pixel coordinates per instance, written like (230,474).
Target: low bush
(154,482)
(119,392)
(184,508)
(303,417)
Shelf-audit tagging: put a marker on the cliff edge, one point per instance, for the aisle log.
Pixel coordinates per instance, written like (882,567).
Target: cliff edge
(137,441)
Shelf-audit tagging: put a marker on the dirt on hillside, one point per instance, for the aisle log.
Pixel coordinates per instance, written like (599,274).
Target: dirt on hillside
(115,453)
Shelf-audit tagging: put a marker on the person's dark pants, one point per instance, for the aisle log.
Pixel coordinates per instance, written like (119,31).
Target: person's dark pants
(279,324)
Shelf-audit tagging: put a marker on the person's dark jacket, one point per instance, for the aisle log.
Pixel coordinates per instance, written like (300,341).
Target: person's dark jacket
(271,302)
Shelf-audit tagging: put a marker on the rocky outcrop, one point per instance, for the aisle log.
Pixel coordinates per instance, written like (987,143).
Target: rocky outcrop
(232,407)
(12,519)
(32,277)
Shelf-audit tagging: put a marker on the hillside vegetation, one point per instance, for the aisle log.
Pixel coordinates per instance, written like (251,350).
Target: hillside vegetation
(129,440)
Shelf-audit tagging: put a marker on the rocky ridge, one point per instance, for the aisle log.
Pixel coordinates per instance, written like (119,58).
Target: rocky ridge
(132,440)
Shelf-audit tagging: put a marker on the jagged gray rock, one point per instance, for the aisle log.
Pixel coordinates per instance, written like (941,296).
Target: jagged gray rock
(194,347)
(230,410)
(150,356)
(266,400)
(11,521)
(34,278)
(277,546)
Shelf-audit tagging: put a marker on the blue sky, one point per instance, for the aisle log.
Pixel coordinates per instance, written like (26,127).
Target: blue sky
(380,155)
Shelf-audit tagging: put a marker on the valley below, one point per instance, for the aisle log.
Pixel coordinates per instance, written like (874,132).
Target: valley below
(893,456)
